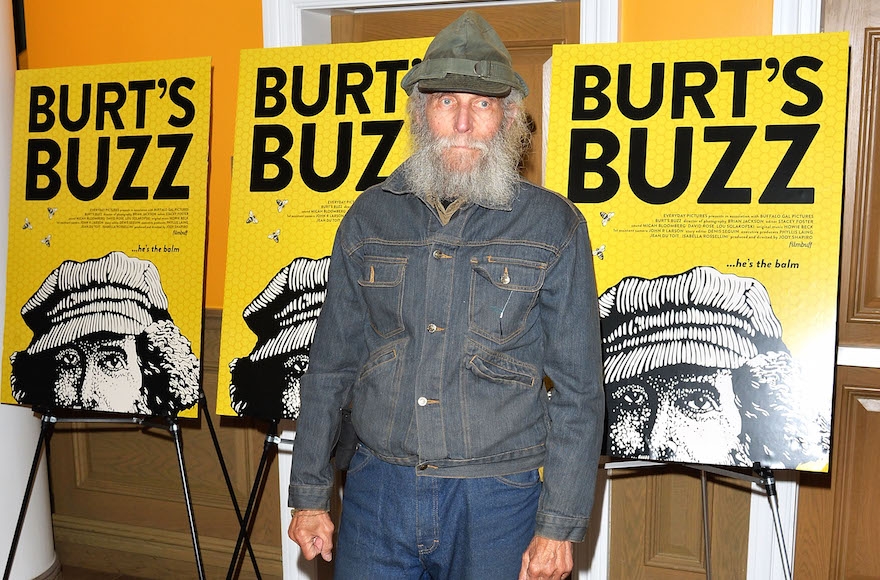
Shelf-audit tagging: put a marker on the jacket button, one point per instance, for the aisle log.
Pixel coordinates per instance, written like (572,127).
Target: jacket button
(422,401)
(437,254)
(422,467)
(432,328)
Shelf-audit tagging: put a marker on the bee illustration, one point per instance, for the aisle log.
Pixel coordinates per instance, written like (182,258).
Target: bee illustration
(600,252)
(252,219)
(27,225)
(274,235)
(606,217)
(52,211)
(281,203)
(47,240)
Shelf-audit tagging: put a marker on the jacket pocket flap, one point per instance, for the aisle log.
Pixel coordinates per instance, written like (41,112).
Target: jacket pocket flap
(516,276)
(381,274)
(493,371)
(378,359)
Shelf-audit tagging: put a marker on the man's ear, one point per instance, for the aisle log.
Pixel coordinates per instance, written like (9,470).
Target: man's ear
(516,108)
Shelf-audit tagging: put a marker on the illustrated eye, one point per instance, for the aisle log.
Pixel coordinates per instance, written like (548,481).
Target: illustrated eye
(113,361)
(68,358)
(299,364)
(630,397)
(699,402)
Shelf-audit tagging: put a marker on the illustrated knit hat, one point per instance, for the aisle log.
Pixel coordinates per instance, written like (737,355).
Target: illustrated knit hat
(115,293)
(467,57)
(283,316)
(699,317)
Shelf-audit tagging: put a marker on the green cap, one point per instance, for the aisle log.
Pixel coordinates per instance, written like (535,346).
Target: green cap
(466,57)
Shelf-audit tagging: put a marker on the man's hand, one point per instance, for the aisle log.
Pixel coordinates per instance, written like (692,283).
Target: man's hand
(546,559)
(313,531)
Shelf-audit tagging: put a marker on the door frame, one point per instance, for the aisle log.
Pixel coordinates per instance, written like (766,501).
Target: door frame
(303,22)
(306,22)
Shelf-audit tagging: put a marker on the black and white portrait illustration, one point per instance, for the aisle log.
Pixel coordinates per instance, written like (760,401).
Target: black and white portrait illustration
(265,384)
(104,341)
(696,371)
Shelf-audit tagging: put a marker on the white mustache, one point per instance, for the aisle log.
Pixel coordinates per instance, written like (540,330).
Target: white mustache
(443,143)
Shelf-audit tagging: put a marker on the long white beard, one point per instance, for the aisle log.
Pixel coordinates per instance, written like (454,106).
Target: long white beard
(491,179)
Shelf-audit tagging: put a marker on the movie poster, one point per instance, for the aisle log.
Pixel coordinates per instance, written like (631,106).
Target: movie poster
(107,237)
(710,173)
(315,126)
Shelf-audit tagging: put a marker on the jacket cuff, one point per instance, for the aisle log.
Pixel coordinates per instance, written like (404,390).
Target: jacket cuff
(562,528)
(309,497)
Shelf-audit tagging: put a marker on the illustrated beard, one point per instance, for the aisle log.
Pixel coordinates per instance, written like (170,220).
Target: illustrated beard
(491,178)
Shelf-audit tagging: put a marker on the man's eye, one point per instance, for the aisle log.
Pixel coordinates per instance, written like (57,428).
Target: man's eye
(68,358)
(483,104)
(113,362)
(446,101)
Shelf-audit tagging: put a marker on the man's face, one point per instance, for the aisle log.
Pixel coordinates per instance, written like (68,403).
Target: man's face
(467,123)
(101,374)
(686,417)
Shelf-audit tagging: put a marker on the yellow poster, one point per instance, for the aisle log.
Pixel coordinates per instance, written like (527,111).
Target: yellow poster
(315,126)
(710,173)
(107,236)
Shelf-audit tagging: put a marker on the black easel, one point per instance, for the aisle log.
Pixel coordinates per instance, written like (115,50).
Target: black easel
(271,442)
(764,477)
(204,404)
(47,427)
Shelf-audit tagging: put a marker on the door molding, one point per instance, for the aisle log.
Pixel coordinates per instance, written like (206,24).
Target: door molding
(303,22)
(797,16)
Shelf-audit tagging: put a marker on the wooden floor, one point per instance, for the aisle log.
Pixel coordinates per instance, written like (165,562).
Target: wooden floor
(74,573)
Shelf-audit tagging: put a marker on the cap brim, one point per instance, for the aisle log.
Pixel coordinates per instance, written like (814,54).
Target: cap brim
(453,83)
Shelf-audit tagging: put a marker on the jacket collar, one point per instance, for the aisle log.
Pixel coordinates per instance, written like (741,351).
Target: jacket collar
(397,184)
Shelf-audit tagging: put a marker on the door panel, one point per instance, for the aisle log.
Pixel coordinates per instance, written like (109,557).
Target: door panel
(657,525)
(837,512)
(860,269)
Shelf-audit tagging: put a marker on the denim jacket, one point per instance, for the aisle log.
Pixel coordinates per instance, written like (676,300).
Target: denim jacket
(442,336)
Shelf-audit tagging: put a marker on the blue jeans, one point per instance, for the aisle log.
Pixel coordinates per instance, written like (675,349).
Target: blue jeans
(396,525)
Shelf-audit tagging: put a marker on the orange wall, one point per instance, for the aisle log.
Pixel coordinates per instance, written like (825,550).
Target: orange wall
(74,32)
(682,19)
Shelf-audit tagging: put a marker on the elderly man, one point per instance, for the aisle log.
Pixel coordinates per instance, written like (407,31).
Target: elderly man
(458,293)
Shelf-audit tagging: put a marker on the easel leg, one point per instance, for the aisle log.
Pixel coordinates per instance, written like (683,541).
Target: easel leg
(46,427)
(707,545)
(174,427)
(247,540)
(769,483)
(271,439)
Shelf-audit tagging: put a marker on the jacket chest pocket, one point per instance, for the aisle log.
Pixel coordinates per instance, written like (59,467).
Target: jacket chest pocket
(382,288)
(503,292)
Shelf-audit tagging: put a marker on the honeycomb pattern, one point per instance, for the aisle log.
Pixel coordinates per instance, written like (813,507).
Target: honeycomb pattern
(43,234)
(804,299)
(265,233)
